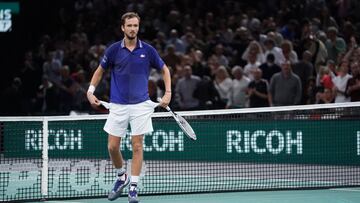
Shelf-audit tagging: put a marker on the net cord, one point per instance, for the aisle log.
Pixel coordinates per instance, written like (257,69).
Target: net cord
(191,113)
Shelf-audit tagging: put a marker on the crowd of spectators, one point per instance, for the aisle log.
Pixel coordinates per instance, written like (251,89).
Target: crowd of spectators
(222,54)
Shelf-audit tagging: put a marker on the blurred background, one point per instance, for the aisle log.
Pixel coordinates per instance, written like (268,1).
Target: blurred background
(222,54)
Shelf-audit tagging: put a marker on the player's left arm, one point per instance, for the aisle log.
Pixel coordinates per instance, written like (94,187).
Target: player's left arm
(165,100)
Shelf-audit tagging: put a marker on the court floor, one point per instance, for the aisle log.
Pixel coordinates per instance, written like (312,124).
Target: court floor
(343,195)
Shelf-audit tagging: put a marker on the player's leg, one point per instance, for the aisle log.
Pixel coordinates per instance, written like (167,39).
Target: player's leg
(137,156)
(140,123)
(114,151)
(136,164)
(122,178)
(116,156)
(116,126)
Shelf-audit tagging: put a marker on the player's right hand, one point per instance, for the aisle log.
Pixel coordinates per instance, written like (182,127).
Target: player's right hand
(93,100)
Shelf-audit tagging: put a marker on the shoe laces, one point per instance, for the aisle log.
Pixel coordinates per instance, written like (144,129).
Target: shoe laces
(133,191)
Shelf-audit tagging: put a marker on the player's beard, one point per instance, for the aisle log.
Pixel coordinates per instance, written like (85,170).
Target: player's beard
(130,37)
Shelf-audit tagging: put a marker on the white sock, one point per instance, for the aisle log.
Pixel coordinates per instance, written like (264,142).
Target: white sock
(121,173)
(134,180)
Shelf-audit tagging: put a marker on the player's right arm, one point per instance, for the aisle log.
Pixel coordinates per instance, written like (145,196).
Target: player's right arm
(95,80)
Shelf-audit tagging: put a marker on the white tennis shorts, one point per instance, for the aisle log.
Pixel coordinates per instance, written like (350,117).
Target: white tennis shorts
(138,115)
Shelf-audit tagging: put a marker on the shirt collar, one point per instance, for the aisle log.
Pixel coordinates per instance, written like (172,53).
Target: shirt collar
(138,43)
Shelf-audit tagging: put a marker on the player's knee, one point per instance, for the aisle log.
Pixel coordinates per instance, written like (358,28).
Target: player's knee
(112,148)
(137,147)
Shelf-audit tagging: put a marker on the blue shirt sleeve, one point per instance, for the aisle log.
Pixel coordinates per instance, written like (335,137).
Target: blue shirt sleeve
(155,60)
(107,59)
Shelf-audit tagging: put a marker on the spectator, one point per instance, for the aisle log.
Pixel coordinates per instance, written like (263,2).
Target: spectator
(325,97)
(185,89)
(335,45)
(340,82)
(289,30)
(325,79)
(51,68)
(353,84)
(47,98)
(285,87)
(318,51)
(160,42)
(288,52)
(276,51)
(198,66)
(176,42)
(310,91)
(222,83)
(240,44)
(251,66)
(254,48)
(327,20)
(67,92)
(237,97)
(258,91)
(219,52)
(207,95)
(269,68)
(304,70)
(171,58)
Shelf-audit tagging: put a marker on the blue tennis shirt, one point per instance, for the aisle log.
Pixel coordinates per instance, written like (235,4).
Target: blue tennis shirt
(130,71)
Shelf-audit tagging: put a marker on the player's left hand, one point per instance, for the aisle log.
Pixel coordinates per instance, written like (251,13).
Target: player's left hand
(165,100)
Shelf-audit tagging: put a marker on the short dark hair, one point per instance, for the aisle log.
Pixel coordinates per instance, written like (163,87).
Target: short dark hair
(129,15)
(270,57)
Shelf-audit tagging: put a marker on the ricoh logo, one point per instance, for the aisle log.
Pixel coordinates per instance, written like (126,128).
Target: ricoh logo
(159,141)
(260,142)
(58,140)
(72,139)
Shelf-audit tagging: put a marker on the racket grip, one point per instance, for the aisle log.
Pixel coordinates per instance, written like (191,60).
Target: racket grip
(159,100)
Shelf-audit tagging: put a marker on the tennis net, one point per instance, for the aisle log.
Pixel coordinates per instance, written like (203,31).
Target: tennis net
(314,146)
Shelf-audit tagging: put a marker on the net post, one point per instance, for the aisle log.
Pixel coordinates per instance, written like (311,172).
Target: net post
(45,158)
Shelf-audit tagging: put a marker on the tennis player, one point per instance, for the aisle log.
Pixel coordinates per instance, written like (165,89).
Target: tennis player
(129,61)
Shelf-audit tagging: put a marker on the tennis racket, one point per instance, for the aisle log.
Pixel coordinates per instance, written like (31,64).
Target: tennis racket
(183,124)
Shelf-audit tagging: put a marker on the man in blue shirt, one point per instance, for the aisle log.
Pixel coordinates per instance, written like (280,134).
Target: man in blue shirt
(129,62)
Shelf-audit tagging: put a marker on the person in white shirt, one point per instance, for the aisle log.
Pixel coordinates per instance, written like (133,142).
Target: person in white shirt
(237,97)
(340,82)
(270,47)
(222,83)
(288,52)
(251,66)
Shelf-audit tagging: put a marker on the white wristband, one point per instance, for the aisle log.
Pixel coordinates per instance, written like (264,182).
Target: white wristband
(91,89)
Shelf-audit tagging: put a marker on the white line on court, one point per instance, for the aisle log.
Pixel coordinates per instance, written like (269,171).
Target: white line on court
(61,202)
(346,189)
